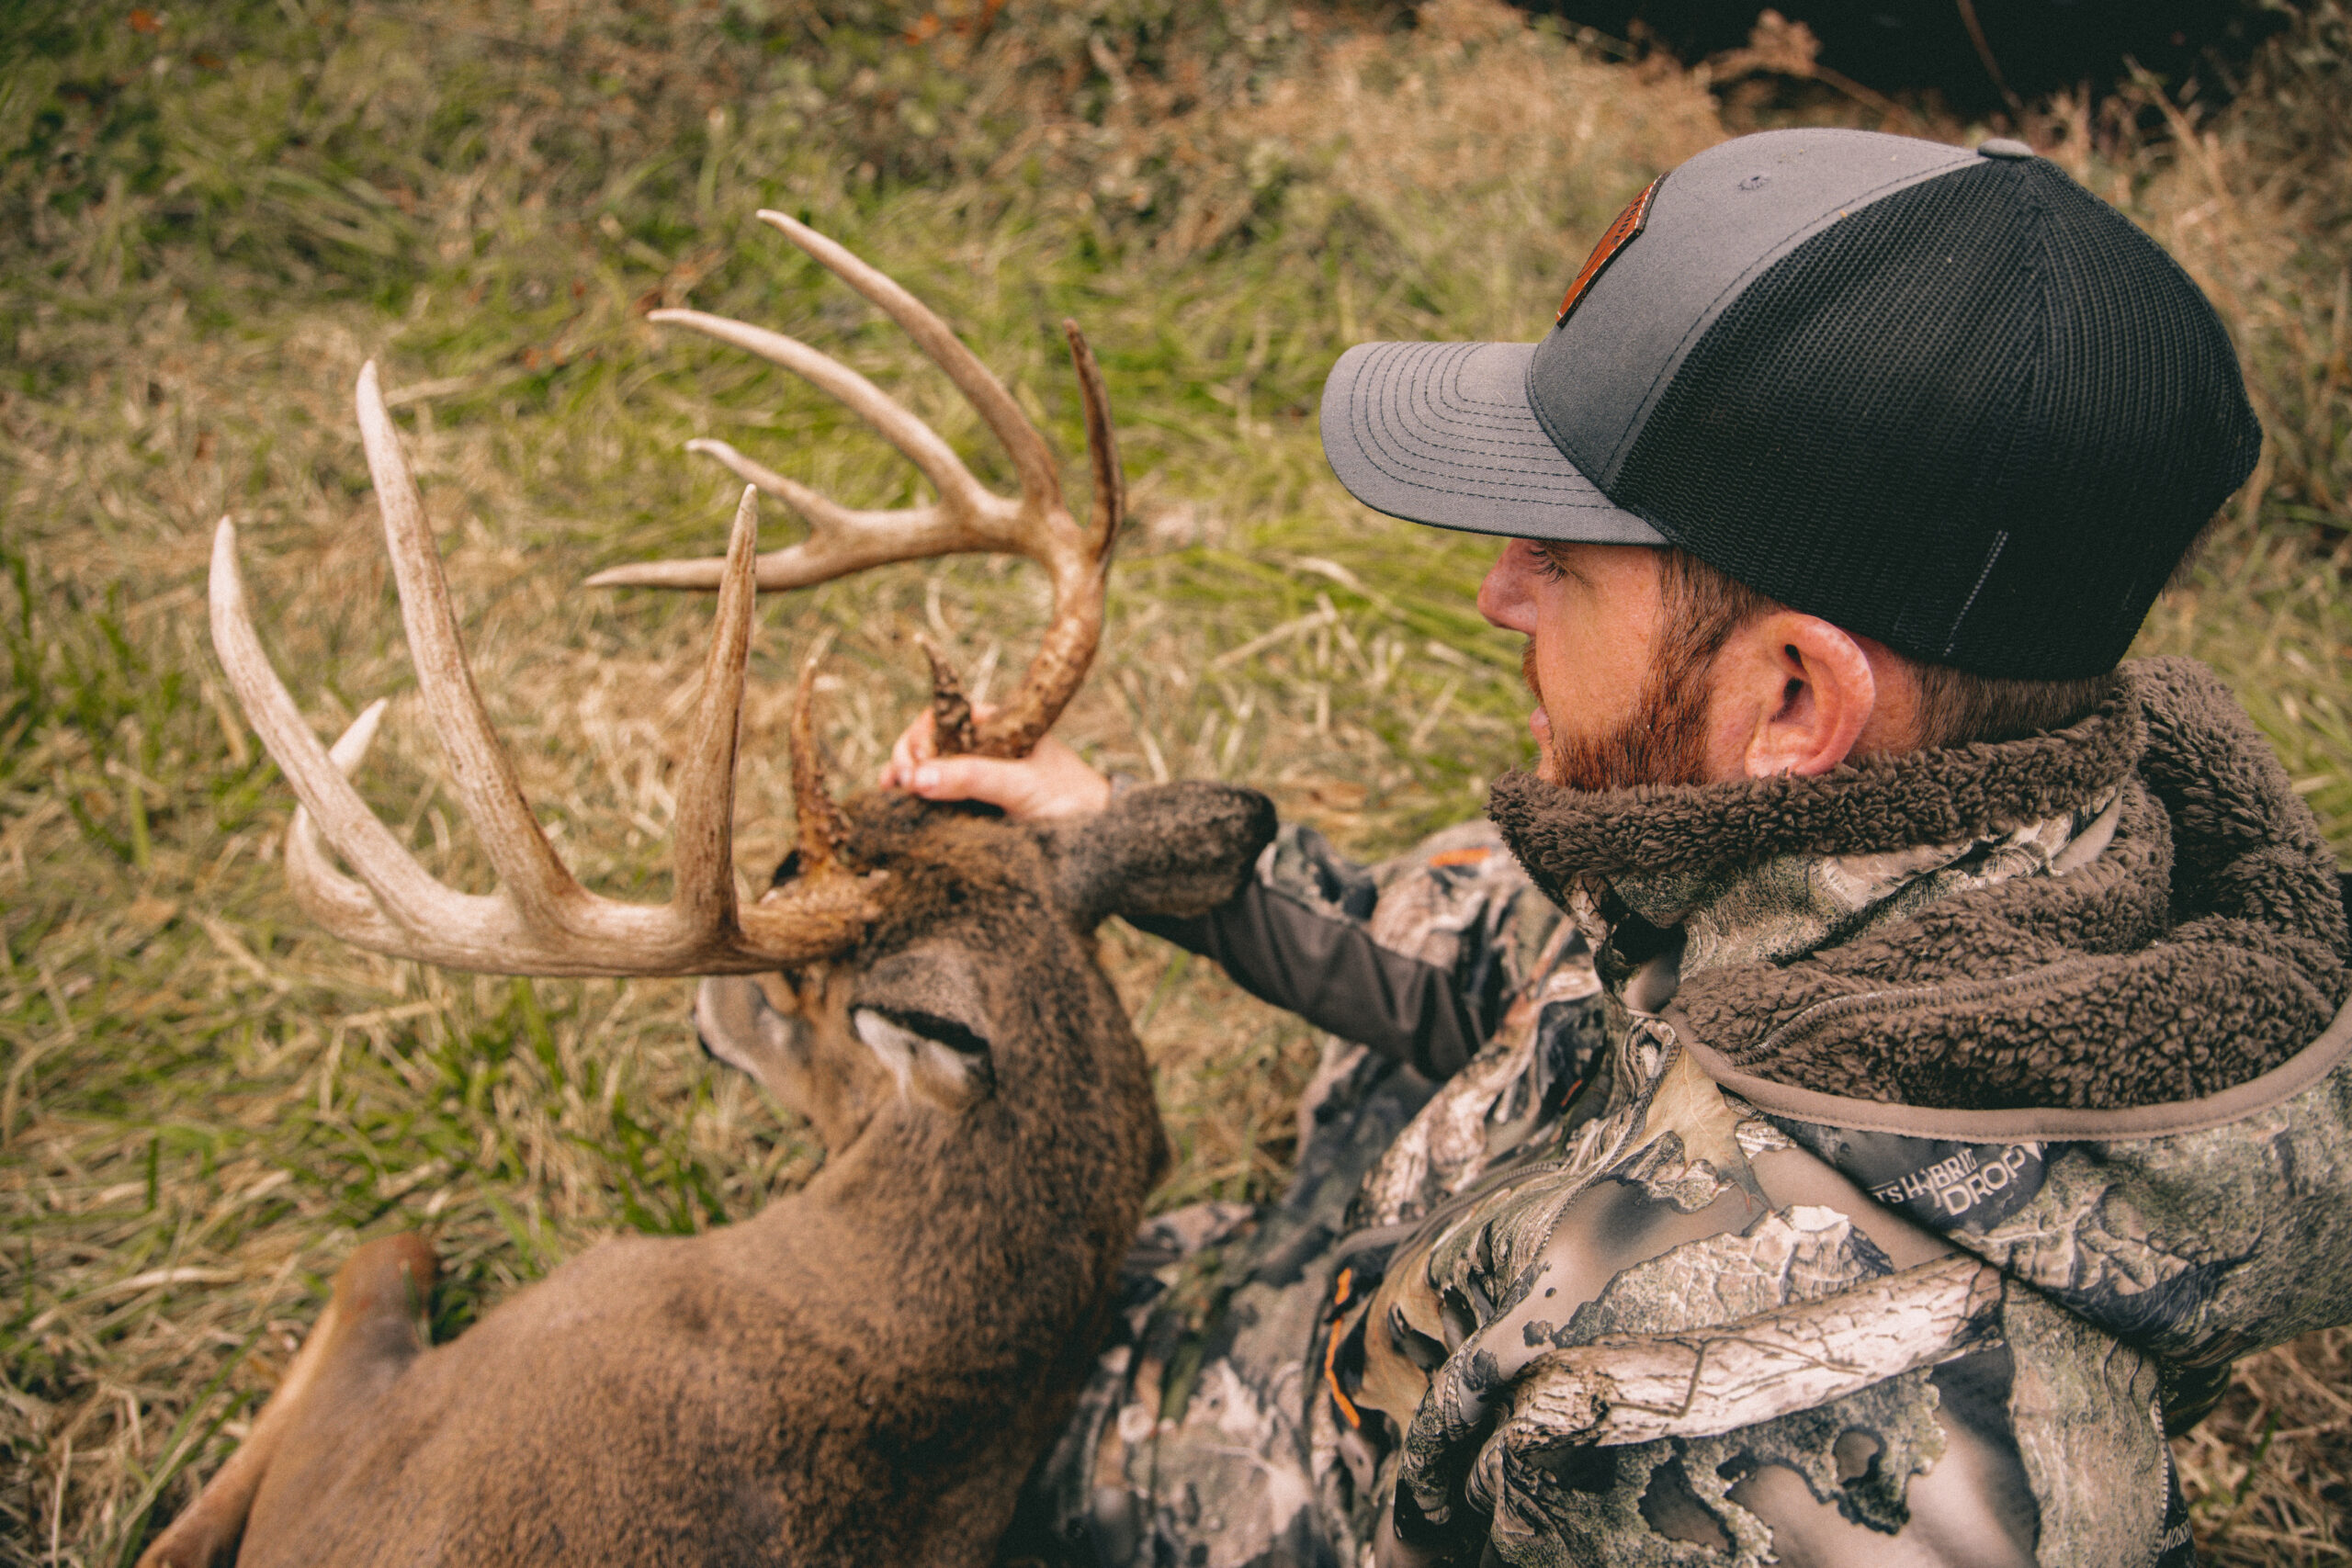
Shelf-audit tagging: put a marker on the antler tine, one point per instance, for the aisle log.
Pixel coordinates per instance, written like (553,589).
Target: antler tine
(394,906)
(395,885)
(951,710)
(1101,445)
(841,540)
(1067,650)
(840,526)
(1032,458)
(960,494)
(479,768)
(823,897)
(335,901)
(817,818)
(703,851)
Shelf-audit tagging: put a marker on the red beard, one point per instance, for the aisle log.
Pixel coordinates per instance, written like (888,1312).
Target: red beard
(1664,743)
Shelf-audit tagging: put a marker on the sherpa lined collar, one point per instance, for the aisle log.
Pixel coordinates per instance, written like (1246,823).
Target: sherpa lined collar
(1877,803)
(2203,946)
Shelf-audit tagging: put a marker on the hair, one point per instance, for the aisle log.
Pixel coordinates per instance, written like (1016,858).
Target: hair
(1702,608)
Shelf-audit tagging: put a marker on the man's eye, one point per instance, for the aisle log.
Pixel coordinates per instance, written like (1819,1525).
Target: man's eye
(1545,567)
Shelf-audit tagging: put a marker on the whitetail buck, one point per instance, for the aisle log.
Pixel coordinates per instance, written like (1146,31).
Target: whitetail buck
(864,1372)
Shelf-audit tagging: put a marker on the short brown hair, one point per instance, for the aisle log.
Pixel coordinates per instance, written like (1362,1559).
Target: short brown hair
(1703,607)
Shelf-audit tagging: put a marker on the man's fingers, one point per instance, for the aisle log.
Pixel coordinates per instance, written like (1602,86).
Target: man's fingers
(918,744)
(1000,783)
(1051,782)
(914,746)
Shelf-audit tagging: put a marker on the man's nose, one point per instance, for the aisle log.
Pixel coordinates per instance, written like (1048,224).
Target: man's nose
(1504,598)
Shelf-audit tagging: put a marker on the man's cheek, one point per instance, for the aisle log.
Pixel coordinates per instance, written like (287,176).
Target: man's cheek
(1547,753)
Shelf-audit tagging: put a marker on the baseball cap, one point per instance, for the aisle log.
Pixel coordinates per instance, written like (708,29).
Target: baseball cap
(1945,398)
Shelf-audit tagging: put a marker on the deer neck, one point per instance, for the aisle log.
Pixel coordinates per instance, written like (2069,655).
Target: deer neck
(975,1202)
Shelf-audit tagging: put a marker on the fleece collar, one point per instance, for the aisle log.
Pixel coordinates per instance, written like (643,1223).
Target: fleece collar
(1874,806)
(2129,911)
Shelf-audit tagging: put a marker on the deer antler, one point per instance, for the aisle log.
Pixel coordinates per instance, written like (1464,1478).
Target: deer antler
(540,920)
(968,515)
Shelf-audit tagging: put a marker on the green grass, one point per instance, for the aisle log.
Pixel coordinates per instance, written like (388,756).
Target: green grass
(208,227)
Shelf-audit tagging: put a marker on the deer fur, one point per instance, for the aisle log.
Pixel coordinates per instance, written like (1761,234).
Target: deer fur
(864,1372)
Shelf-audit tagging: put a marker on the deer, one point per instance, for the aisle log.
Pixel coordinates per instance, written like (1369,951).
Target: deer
(864,1372)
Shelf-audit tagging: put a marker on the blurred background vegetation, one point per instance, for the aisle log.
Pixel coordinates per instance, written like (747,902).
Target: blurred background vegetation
(210,216)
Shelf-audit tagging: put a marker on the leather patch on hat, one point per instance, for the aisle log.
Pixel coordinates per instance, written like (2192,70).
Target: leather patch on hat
(1616,238)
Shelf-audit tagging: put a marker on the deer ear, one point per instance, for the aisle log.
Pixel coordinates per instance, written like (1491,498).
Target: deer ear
(923,1012)
(1173,851)
(941,1061)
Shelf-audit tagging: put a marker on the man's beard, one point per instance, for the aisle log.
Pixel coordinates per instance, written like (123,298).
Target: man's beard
(1664,743)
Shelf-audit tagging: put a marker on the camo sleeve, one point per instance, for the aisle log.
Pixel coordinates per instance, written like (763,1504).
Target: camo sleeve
(1415,958)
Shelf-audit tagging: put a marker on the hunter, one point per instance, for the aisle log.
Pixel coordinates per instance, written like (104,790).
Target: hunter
(1853,1099)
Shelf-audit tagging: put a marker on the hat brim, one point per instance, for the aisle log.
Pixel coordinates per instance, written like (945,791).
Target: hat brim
(1442,433)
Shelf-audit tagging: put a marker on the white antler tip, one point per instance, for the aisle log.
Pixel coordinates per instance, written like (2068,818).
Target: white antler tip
(350,747)
(226,585)
(704,573)
(743,539)
(369,397)
(832,255)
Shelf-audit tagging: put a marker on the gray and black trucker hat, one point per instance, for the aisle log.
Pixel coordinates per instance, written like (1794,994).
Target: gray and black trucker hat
(1944,397)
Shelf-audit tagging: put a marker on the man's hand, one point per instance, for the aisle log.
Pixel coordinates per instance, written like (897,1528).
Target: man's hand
(1049,782)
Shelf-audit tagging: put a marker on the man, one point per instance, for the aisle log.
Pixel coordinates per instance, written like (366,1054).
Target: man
(1907,1061)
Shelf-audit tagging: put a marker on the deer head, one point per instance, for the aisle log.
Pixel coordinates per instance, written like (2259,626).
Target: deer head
(866,891)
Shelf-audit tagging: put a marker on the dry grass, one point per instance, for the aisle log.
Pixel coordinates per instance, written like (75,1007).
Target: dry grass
(209,226)
(2269,1473)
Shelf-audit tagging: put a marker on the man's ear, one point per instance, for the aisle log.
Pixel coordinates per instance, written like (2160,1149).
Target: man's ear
(1169,850)
(1792,695)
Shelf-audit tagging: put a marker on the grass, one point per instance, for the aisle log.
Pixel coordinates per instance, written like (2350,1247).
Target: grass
(209,218)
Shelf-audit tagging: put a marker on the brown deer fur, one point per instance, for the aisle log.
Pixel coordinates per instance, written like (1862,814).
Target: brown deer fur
(863,1372)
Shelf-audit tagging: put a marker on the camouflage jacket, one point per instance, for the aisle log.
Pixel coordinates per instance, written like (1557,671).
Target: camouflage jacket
(1869,1167)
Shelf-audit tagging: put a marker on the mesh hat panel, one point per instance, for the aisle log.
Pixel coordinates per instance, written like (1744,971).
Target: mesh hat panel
(1979,419)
